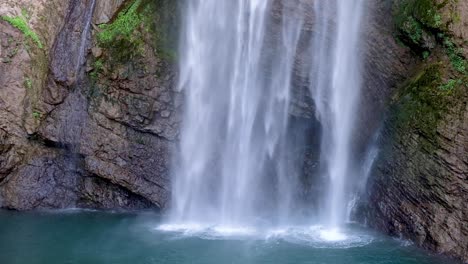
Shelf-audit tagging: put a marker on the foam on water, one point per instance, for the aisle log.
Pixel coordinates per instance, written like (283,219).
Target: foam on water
(204,230)
(316,236)
(332,235)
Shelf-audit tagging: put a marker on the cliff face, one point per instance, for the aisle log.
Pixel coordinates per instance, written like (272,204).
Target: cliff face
(419,186)
(77,128)
(88,119)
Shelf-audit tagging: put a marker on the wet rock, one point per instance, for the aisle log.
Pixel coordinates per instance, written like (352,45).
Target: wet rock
(99,193)
(118,161)
(68,53)
(44,182)
(106,10)
(419,187)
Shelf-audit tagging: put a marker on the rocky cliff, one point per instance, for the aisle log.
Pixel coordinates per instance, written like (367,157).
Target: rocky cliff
(88,111)
(419,186)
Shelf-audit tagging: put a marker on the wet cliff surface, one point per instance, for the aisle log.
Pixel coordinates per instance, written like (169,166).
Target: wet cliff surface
(92,118)
(88,114)
(419,185)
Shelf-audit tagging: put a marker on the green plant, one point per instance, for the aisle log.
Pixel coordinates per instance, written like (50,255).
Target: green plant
(458,62)
(28,83)
(123,26)
(423,101)
(121,36)
(98,65)
(426,54)
(21,24)
(451,84)
(36,115)
(152,22)
(417,21)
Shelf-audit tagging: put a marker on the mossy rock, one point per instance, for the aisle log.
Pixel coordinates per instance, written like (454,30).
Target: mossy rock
(423,102)
(418,22)
(125,36)
(22,25)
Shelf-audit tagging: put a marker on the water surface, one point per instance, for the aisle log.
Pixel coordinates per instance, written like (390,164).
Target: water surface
(69,237)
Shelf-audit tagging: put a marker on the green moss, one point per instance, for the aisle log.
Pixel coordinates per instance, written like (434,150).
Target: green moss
(417,21)
(150,21)
(123,26)
(455,55)
(141,28)
(98,65)
(122,36)
(21,24)
(413,18)
(451,84)
(423,101)
(426,54)
(36,115)
(28,83)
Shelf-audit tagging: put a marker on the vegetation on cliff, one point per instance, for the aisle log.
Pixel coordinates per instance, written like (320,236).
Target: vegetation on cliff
(121,36)
(125,35)
(423,26)
(141,30)
(423,101)
(21,24)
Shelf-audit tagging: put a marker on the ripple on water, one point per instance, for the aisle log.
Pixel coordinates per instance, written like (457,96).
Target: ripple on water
(316,236)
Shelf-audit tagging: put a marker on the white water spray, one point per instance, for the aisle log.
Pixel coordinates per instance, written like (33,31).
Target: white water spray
(336,93)
(230,162)
(230,169)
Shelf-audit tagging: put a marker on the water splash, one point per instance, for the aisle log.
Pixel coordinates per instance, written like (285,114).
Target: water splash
(316,236)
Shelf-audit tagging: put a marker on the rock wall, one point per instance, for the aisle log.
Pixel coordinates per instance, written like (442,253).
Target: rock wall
(80,129)
(419,186)
(92,125)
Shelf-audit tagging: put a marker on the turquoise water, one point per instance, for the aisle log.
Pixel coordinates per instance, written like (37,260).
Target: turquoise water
(70,237)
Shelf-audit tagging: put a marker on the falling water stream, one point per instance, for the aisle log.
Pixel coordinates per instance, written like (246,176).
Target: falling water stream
(336,93)
(230,169)
(236,115)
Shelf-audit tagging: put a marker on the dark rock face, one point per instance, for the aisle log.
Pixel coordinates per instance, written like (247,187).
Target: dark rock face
(419,187)
(127,114)
(99,142)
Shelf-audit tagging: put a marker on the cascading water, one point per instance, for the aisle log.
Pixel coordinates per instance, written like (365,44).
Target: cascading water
(76,103)
(336,93)
(236,115)
(230,168)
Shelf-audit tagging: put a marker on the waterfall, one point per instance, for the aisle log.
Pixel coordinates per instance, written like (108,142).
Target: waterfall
(76,104)
(336,92)
(230,167)
(89,12)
